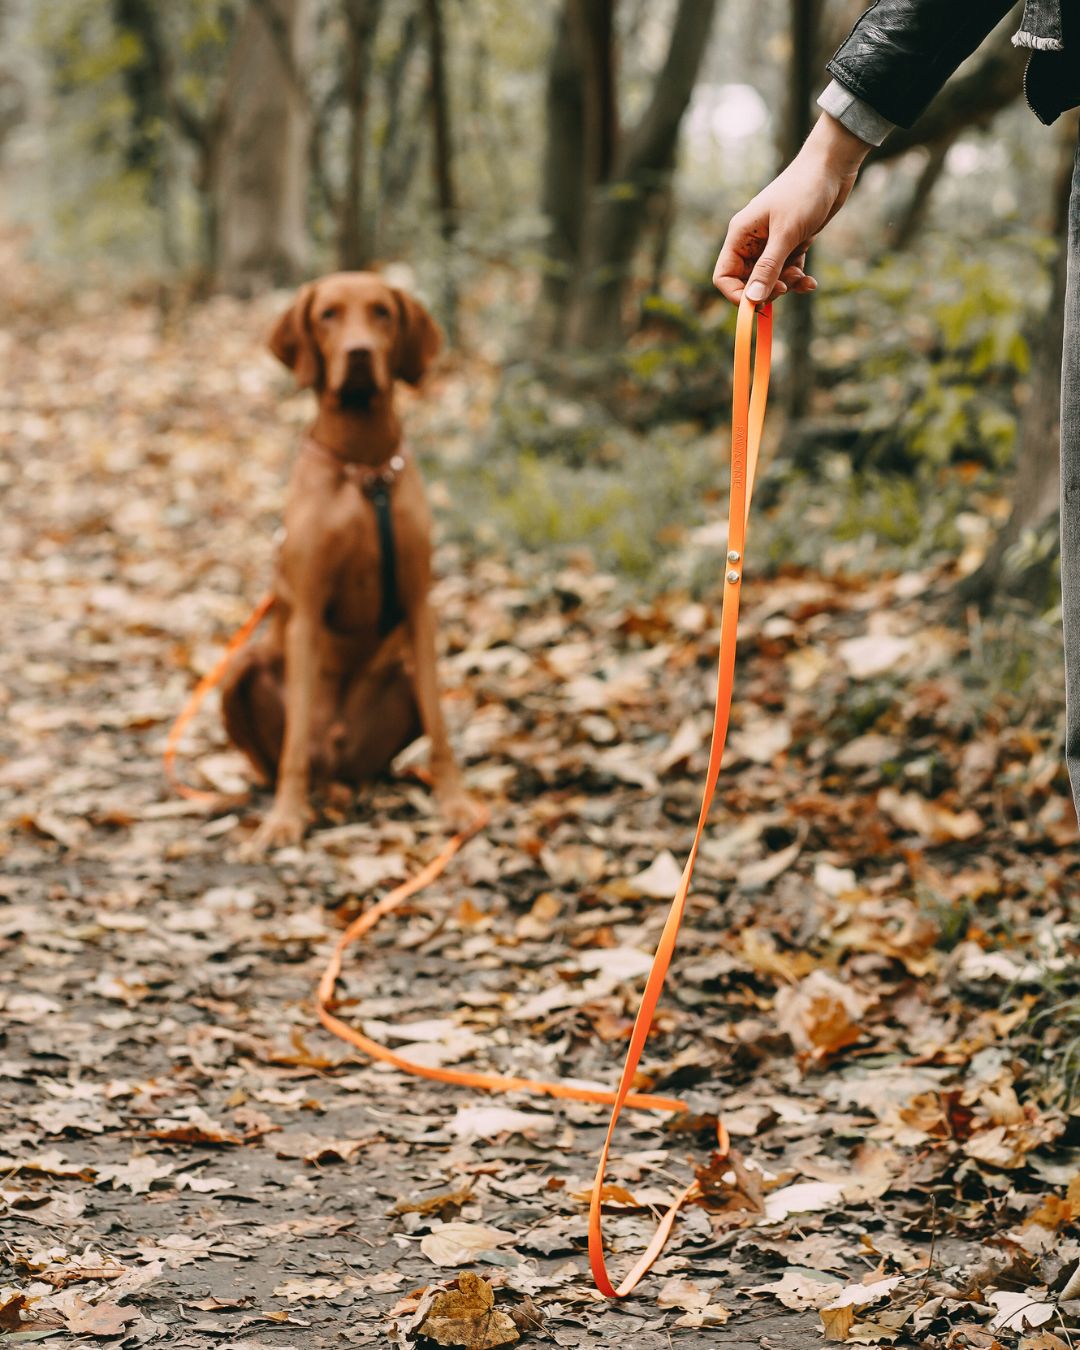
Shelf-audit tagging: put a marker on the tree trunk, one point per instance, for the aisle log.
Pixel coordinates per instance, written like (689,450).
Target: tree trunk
(1035,493)
(644,165)
(443,163)
(594,22)
(580,145)
(260,183)
(911,220)
(443,160)
(804,77)
(397,156)
(148,151)
(355,235)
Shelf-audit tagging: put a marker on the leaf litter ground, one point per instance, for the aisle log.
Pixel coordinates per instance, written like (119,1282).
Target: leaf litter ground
(884,909)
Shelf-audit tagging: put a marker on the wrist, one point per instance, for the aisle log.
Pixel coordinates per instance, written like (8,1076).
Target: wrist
(842,151)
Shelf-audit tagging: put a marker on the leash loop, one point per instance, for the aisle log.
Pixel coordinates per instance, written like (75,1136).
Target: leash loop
(747,422)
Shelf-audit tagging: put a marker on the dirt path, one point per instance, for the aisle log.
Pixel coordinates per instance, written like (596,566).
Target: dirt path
(188,1160)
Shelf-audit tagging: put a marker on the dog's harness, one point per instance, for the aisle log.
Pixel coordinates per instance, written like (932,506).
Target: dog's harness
(375,483)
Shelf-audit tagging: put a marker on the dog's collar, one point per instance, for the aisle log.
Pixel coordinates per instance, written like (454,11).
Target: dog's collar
(371,479)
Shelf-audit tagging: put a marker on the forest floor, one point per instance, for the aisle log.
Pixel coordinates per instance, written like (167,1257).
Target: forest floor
(884,910)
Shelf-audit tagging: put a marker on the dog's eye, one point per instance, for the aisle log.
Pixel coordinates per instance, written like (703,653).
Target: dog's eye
(381,311)
(329,312)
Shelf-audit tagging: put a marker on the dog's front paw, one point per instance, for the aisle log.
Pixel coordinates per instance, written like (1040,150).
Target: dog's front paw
(282,827)
(463,814)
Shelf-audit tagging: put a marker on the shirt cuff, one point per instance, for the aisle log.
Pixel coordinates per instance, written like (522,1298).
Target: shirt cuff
(852,112)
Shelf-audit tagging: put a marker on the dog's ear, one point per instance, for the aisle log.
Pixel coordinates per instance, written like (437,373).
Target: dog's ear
(419,339)
(293,342)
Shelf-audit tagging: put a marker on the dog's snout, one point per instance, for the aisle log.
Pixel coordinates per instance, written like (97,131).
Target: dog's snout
(359,356)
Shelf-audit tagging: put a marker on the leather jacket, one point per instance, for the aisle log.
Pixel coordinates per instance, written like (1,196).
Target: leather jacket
(900,52)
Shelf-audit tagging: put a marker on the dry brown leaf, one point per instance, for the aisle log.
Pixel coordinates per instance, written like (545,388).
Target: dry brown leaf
(685,1294)
(930,819)
(837,1322)
(299,1290)
(467,1316)
(458,1244)
(767,869)
(11,1312)
(821,1015)
(434,1204)
(97,1319)
(314,1149)
(610,1194)
(658,881)
(761,954)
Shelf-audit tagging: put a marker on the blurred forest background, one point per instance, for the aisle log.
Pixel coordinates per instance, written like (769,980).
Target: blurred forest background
(556,179)
(878,977)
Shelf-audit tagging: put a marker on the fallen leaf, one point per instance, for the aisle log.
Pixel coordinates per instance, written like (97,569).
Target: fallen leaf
(314,1149)
(487,1122)
(467,1316)
(459,1244)
(298,1290)
(821,1015)
(767,869)
(434,1204)
(1017,1311)
(685,1294)
(97,1319)
(930,819)
(874,654)
(11,1312)
(659,880)
(610,1194)
(800,1287)
(858,1295)
(138,1175)
(837,1321)
(802,1198)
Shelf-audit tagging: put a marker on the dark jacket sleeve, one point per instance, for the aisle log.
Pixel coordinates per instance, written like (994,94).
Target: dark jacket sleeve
(901,52)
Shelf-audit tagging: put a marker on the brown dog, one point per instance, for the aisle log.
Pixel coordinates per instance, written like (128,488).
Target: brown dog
(345,678)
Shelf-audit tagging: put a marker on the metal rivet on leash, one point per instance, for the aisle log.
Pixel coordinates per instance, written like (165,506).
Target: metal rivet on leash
(733,576)
(733,555)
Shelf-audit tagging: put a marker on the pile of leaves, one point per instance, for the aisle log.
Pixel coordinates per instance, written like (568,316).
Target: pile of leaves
(873,986)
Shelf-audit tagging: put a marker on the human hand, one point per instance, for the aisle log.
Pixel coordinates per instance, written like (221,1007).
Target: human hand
(764,253)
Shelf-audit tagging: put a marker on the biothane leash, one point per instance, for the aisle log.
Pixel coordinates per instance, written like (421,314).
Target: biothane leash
(748,417)
(209,681)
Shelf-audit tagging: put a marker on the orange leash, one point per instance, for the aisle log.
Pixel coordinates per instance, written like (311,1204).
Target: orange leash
(747,420)
(748,417)
(209,681)
(489,1082)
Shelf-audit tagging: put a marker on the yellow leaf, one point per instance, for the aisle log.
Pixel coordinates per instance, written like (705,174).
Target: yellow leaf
(434,1204)
(837,1322)
(467,1316)
(611,1194)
